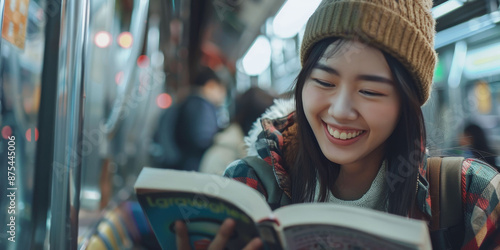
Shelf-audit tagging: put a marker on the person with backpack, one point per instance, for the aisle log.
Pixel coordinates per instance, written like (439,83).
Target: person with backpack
(354,133)
(187,129)
(197,121)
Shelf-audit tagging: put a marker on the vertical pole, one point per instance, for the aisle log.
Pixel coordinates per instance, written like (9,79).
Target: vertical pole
(66,168)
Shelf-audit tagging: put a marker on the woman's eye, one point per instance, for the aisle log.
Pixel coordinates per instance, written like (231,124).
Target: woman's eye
(370,93)
(324,84)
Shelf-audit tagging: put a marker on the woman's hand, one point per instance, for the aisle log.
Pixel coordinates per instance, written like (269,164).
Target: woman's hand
(220,240)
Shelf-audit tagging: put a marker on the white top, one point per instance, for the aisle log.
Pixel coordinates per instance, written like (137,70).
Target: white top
(228,146)
(373,198)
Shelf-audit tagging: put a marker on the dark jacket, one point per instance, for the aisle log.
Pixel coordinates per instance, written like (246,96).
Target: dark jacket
(195,130)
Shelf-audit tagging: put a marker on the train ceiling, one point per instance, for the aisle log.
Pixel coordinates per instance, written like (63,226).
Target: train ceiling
(469,10)
(220,31)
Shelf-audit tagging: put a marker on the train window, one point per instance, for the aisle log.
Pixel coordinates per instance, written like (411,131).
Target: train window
(21,62)
(117,97)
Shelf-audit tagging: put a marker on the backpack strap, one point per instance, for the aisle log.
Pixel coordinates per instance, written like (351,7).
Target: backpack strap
(275,196)
(447,227)
(433,176)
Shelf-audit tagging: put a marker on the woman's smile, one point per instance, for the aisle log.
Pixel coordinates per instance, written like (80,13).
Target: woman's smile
(343,134)
(342,137)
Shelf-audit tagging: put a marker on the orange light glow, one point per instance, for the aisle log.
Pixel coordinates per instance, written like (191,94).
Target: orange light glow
(125,40)
(143,61)
(28,134)
(6,132)
(102,39)
(164,100)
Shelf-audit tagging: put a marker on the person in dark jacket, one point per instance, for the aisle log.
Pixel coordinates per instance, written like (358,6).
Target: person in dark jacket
(476,144)
(197,121)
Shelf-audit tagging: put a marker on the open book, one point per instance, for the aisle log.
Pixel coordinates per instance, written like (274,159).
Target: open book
(203,201)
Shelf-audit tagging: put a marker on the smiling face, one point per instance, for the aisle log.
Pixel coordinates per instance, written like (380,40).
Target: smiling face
(351,103)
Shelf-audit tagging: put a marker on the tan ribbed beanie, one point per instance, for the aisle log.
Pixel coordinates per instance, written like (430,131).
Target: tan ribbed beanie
(403,28)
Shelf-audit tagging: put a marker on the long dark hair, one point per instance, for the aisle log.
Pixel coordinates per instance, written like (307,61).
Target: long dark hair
(404,151)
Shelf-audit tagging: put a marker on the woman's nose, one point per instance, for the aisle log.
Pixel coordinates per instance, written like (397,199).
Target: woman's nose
(342,107)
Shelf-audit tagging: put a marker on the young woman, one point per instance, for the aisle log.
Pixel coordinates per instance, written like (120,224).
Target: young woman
(354,134)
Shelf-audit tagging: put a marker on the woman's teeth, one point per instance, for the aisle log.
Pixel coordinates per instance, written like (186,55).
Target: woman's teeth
(343,135)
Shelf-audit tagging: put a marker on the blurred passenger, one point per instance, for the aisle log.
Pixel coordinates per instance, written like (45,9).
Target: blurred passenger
(473,139)
(197,120)
(229,144)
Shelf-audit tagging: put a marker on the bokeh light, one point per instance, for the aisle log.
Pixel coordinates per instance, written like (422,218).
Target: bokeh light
(6,132)
(143,61)
(28,134)
(102,39)
(125,40)
(258,57)
(164,100)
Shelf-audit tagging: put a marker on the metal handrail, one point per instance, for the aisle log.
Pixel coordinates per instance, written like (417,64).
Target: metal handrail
(138,28)
(467,29)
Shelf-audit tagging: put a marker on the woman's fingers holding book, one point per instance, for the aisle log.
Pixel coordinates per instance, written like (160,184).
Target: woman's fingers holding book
(182,237)
(220,240)
(223,235)
(256,243)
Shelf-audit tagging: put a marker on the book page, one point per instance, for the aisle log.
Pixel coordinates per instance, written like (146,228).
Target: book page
(203,216)
(364,224)
(331,237)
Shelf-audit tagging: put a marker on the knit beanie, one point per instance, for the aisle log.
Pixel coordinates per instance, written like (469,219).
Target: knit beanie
(403,28)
